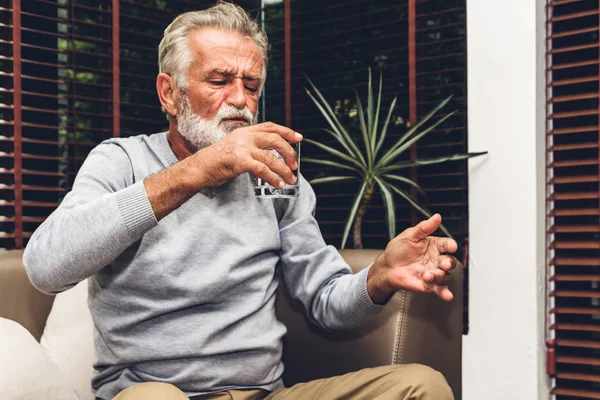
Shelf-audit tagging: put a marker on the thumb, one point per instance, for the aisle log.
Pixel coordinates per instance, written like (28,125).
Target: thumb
(424,228)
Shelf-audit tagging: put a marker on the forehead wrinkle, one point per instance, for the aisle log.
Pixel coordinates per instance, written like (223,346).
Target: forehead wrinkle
(227,57)
(252,58)
(230,73)
(251,63)
(233,70)
(221,71)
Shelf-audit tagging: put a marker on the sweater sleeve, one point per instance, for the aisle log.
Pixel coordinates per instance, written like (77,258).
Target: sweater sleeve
(316,273)
(105,212)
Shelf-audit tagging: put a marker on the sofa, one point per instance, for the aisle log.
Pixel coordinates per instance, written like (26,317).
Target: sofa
(46,347)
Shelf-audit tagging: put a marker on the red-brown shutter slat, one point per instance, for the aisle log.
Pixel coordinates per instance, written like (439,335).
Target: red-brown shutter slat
(591,244)
(588,344)
(574,228)
(573,209)
(581,377)
(574,310)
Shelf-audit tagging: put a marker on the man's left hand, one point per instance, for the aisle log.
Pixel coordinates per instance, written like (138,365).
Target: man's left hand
(414,261)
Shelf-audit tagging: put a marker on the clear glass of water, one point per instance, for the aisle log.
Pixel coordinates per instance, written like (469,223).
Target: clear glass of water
(264,189)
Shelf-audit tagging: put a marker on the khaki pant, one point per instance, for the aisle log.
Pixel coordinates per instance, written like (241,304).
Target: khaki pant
(397,382)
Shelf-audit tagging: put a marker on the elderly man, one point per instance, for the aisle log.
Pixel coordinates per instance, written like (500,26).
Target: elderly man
(184,261)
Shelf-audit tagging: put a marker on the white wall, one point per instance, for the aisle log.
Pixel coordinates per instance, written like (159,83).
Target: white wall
(503,354)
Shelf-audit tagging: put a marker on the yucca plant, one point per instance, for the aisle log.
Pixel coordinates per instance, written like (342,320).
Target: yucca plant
(372,164)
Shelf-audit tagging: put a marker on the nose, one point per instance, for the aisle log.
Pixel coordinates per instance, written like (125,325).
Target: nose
(236,95)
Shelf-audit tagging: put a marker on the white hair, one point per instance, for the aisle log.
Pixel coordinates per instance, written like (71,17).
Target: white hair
(174,55)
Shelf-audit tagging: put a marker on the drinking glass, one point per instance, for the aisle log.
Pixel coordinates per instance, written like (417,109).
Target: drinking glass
(264,189)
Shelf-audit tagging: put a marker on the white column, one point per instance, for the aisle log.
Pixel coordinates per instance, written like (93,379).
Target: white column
(504,353)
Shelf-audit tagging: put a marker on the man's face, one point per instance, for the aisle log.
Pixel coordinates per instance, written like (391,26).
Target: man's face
(223,83)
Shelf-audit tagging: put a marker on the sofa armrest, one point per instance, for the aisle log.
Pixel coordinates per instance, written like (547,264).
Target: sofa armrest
(412,328)
(19,300)
(433,332)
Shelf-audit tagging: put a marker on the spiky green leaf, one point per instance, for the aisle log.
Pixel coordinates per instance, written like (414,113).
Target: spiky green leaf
(336,153)
(413,202)
(412,130)
(370,103)
(428,161)
(343,132)
(407,181)
(328,179)
(421,122)
(376,117)
(390,156)
(385,126)
(334,135)
(333,122)
(330,163)
(364,131)
(352,215)
(390,207)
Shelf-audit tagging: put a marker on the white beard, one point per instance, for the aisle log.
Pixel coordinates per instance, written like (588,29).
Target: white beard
(202,132)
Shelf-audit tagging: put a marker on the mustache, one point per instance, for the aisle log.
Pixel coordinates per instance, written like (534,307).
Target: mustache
(231,112)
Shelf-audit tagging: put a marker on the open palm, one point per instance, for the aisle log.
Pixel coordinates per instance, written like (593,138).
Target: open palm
(414,261)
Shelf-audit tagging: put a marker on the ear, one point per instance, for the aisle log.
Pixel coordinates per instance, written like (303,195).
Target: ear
(165,87)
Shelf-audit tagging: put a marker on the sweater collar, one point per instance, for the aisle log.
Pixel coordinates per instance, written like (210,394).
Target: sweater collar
(165,149)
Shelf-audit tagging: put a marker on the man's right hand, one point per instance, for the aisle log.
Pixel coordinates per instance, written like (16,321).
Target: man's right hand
(247,150)
(243,150)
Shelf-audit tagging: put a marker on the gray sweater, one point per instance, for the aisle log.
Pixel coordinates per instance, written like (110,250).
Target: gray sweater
(188,300)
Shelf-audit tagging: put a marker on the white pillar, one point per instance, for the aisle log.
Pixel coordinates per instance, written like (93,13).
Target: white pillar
(504,353)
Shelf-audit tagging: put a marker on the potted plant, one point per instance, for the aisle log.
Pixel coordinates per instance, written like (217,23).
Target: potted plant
(372,165)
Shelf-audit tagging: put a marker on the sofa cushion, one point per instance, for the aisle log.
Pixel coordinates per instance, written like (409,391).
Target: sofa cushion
(19,300)
(26,370)
(68,339)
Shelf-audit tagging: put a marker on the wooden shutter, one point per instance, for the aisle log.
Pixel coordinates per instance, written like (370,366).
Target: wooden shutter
(11,209)
(420,47)
(440,71)
(573,227)
(141,28)
(273,101)
(57,104)
(74,73)
(334,44)
(32,170)
(88,72)
(101,73)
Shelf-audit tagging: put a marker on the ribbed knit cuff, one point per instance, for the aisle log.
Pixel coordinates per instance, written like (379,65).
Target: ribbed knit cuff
(136,210)
(364,303)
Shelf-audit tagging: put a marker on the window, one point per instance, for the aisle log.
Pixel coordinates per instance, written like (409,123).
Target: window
(73,75)
(334,43)
(573,226)
(79,72)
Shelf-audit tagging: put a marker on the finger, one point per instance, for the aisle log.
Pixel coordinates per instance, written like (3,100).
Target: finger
(443,292)
(263,172)
(275,164)
(446,245)
(447,263)
(423,228)
(271,141)
(286,133)
(437,277)
(429,277)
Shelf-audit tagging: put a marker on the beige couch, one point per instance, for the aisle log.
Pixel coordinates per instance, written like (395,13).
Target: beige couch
(412,328)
